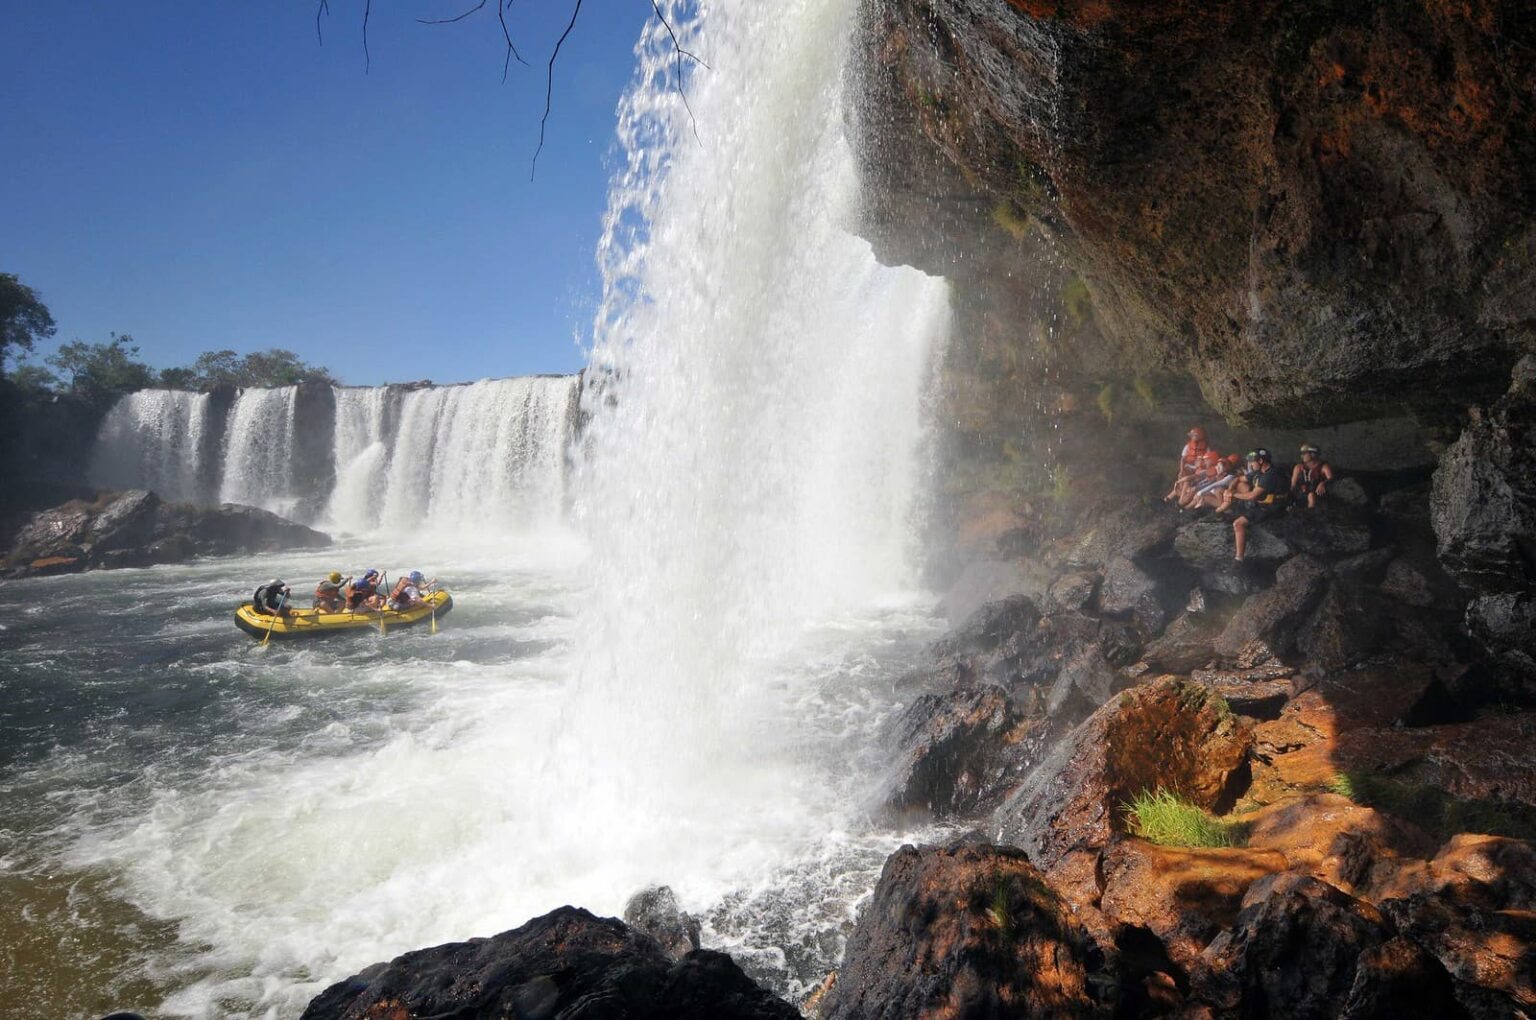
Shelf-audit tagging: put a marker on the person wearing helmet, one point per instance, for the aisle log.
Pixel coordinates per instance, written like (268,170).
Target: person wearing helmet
(1262,497)
(363,593)
(1191,460)
(1221,473)
(271,599)
(1310,478)
(407,591)
(328,593)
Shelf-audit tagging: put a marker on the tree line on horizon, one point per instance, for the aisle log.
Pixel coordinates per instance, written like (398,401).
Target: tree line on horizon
(100,372)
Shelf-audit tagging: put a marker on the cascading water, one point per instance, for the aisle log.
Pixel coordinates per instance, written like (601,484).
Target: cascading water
(690,697)
(491,454)
(154,439)
(259,450)
(488,455)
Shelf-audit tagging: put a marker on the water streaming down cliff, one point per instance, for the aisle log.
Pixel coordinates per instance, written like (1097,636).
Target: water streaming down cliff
(155,439)
(353,459)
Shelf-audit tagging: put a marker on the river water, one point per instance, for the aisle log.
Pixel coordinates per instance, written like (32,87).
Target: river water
(195,825)
(676,634)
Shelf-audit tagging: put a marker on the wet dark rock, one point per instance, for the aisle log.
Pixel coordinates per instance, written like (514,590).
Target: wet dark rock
(1128,590)
(966,930)
(1405,583)
(1208,545)
(1302,948)
(1484,504)
(954,751)
(1327,533)
(1350,624)
(1505,625)
(1272,617)
(655,912)
(1167,734)
(137,529)
(1347,492)
(1256,698)
(1072,592)
(564,964)
(1295,206)
(1134,532)
(1368,567)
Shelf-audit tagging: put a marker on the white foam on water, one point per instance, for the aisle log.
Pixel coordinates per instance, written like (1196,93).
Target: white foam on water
(703,710)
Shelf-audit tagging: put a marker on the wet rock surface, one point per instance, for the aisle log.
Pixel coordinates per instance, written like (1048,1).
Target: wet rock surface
(965,930)
(1169,734)
(567,963)
(137,529)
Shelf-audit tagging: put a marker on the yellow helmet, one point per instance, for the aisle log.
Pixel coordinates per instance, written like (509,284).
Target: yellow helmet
(334,577)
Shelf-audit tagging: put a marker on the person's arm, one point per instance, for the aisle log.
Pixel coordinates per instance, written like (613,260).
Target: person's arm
(1295,477)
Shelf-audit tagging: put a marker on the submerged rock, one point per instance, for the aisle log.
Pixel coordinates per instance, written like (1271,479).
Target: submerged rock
(564,964)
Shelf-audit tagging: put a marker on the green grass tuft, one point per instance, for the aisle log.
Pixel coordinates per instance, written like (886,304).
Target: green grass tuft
(1167,819)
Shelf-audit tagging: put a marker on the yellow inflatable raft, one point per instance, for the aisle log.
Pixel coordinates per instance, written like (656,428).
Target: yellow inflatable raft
(304,623)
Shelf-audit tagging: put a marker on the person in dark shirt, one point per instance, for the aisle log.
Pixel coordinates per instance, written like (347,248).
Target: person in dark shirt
(1263,496)
(271,599)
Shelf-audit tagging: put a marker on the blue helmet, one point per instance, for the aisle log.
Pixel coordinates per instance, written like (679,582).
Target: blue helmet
(370,575)
(416,577)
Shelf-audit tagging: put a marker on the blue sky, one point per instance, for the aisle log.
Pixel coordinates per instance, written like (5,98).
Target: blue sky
(206,175)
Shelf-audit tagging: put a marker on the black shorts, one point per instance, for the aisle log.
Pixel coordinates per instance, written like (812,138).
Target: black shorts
(1256,512)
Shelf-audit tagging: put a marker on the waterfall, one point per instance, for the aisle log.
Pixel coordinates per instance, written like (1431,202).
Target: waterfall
(490,454)
(153,439)
(757,381)
(259,450)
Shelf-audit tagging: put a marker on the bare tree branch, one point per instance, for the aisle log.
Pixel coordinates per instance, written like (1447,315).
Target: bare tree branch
(680,53)
(501,15)
(549,86)
(324,8)
(367,57)
(449,21)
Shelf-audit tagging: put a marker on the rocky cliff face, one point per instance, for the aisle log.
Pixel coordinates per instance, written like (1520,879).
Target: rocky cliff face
(1317,212)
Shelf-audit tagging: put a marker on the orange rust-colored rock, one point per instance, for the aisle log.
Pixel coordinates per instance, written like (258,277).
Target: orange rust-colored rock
(1168,734)
(1184,896)
(1336,840)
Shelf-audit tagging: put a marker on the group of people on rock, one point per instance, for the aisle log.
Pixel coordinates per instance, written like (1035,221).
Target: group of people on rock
(1249,488)
(350,595)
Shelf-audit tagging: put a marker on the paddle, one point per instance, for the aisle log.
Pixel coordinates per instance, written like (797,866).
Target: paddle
(432,593)
(383,586)
(280,604)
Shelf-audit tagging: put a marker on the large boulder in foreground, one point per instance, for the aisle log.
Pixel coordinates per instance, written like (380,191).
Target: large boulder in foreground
(567,963)
(967,930)
(1169,734)
(137,529)
(1302,949)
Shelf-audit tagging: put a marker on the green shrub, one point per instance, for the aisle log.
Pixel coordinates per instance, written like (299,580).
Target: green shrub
(1169,820)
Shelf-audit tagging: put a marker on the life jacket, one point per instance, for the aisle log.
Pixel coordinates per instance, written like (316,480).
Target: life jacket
(399,590)
(1192,457)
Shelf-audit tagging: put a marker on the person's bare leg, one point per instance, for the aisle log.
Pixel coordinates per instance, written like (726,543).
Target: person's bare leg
(1240,534)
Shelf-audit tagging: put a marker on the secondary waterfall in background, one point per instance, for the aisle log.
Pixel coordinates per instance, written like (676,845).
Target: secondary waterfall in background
(354,459)
(756,384)
(154,439)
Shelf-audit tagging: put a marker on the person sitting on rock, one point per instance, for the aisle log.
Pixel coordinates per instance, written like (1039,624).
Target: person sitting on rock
(407,592)
(1261,497)
(1191,459)
(1222,474)
(1310,478)
(328,593)
(271,599)
(363,593)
